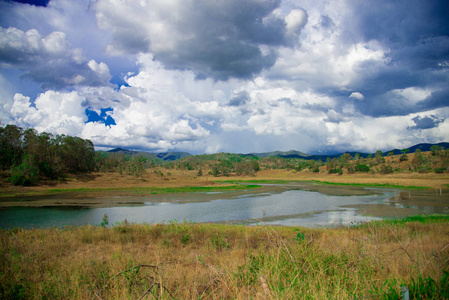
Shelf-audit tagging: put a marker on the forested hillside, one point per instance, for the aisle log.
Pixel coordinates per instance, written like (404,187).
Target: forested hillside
(27,157)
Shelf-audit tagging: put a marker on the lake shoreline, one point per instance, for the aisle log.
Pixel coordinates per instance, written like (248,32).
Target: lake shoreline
(111,189)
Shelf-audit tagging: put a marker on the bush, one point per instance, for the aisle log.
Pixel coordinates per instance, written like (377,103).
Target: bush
(439,170)
(423,170)
(315,170)
(386,169)
(336,171)
(362,168)
(24,174)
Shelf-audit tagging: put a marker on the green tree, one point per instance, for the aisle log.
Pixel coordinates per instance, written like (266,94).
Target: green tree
(435,149)
(136,165)
(11,146)
(378,157)
(404,156)
(344,158)
(25,173)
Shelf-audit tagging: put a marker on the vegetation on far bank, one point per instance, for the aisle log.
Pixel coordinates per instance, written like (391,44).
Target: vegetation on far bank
(29,158)
(184,260)
(287,181)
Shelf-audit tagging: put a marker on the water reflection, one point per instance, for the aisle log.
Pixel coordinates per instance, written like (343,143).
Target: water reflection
(290,207)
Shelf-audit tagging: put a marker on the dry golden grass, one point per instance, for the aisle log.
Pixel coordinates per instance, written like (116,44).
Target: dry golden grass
(180,178)
(201,261)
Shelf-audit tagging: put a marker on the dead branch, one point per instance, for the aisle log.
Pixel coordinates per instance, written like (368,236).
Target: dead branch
(403,248)
(435,255)
(147,291)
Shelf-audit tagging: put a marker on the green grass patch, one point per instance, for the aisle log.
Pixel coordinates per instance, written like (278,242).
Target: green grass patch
(269,181)
(380,185)
(426,219)
(284,181)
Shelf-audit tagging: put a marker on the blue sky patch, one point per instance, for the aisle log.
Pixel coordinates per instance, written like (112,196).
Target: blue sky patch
(103,117)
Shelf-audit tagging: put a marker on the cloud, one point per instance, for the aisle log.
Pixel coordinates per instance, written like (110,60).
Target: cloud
(53,112)
(426,122)
(49,60)
(237,76)
(241,98)
(357,96)
(222,40)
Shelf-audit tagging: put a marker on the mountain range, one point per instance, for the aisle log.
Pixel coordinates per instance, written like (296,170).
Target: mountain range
(171,156)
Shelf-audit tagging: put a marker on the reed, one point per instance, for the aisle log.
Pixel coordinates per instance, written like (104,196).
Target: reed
(184,260)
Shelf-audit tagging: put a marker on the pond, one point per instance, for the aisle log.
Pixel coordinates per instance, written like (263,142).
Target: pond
(292,205)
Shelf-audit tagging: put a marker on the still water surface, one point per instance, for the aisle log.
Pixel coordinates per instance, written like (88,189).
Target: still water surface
(290,207)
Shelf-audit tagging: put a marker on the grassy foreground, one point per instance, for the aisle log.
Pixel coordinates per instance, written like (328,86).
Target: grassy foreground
(208,261)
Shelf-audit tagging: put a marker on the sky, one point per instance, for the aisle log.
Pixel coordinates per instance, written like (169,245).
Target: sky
(236,76)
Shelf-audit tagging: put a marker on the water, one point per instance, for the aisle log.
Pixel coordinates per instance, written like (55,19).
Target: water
(290,207)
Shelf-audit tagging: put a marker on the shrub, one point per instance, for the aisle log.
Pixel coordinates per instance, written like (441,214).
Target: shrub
(362,168)
(423,170)
(439,170)
(336,171)
(105,221)
(386,169)
(315,170)
(24,174)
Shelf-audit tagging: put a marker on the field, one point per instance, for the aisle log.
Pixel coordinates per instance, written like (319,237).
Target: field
(183,260)
(206,261)
(184,178)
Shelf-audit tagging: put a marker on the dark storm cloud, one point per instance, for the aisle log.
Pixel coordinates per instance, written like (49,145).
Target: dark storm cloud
(33,2)
(218,39)
(426,122)
(415,35)
(220,59)
(49,60)
(436,99)
(402,22)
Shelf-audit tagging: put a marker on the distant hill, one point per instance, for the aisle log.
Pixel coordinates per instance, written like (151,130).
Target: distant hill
(170,156)
(135,153)
(166,156)
(284,154)
(422,147)
(298,154)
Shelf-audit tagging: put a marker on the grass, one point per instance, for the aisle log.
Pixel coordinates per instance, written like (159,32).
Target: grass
(285,181)
(262,181)
(420,218)
(184,260)
(380,185)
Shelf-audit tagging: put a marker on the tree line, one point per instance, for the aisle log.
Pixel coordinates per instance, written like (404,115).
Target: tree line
(31,156)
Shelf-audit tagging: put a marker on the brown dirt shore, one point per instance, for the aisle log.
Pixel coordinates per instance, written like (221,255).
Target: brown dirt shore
(177,178)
